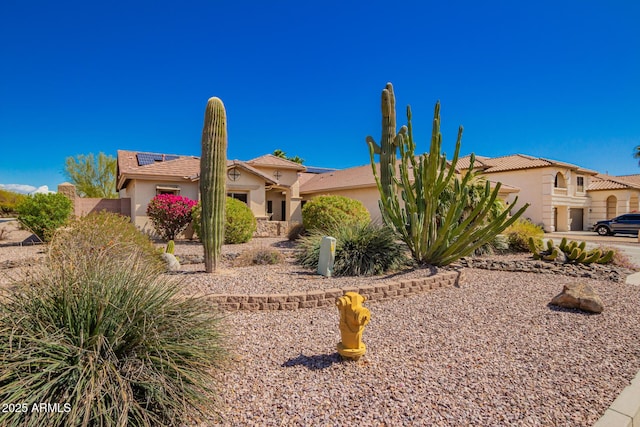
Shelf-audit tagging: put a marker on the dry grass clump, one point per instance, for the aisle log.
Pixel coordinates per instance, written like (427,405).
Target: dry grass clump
(259,256)
(103,335)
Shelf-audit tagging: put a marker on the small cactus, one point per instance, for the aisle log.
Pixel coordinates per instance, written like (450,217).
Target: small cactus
(171,247)
(575,252)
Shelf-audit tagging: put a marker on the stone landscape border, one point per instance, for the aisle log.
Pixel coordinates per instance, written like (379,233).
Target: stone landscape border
(327,297)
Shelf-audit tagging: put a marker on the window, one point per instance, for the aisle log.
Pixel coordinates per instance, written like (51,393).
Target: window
(240,196)
(167,190)
(560,181)
(580,183)
(269,207)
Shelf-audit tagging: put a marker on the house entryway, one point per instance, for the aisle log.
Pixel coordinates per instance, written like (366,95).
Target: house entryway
(576,218)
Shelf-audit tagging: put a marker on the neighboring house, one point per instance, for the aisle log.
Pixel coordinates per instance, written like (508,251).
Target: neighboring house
(359,183)
(563,196)
(268,184)
(614,195)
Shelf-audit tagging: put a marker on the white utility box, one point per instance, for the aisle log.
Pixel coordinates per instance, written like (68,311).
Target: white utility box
(327,256)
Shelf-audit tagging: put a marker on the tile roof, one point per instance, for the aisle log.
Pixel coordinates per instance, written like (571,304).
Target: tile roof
(269,160)
(515,162)
(356,177)
(180,168)
(607,182)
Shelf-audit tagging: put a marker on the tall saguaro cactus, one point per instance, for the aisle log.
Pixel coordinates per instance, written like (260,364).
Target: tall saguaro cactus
(389,141)
(213,166)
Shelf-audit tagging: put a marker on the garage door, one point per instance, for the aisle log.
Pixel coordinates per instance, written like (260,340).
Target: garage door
(576,219)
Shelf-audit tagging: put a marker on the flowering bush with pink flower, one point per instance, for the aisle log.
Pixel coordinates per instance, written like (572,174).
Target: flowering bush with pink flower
(170,214)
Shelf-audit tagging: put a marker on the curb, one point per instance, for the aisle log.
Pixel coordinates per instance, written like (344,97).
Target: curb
(327,297)
(625,410)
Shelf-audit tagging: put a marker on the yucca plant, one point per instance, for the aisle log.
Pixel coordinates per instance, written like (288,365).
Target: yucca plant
(410,202)
(111,343)
(361,250)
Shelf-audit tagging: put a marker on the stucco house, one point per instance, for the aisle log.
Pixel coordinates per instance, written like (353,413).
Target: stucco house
(562,196)
(268,184)
(614,195)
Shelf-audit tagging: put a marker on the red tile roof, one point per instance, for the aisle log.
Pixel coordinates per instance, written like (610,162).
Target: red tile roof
(178,169)
(515,162)
(608,182)
(352,178)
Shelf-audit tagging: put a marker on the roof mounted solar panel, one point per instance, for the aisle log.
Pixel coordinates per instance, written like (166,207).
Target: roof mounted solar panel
(150,158)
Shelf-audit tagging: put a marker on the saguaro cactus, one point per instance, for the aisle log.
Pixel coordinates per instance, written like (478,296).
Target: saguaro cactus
(388,142)
(213,166)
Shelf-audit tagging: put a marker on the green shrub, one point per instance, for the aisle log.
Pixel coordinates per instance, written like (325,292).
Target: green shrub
(104,232)
(42,213)
(9,202)
(519,232)
(295,232)
(240,223)
(112,344)
(330,212)
(361,250)
(259,256)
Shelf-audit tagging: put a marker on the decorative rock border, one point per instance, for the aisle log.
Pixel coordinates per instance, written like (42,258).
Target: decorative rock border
(327,297)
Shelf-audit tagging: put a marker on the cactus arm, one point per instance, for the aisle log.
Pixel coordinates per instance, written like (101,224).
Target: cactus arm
(373,145)
(553,255)
(593,256)
(582,246)
(563,243)
(575,253)
(605,258)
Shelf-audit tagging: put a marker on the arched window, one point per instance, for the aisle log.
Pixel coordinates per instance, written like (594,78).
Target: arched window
(560,182)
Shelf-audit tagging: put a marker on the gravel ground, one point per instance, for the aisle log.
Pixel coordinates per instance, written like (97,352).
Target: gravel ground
(491,353)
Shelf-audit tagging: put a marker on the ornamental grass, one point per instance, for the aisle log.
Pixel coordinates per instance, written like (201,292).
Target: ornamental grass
(106,339)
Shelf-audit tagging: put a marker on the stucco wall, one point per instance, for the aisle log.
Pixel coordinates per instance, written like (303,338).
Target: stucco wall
(142,192)
(626,201)
(530,183)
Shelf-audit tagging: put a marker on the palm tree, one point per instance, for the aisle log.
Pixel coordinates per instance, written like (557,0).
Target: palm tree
(279,153)
(636,153)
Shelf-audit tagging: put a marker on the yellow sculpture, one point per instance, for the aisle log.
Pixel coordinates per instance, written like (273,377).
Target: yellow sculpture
(353,318)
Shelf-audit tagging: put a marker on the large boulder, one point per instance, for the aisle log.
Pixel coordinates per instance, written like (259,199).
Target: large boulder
(580,296)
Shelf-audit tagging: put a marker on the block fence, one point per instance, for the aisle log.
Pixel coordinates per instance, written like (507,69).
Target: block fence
(327,297)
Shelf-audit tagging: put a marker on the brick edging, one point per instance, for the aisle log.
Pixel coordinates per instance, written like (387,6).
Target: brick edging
(327,297)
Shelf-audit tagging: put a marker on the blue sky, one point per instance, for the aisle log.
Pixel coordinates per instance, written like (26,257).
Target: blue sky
(557,79)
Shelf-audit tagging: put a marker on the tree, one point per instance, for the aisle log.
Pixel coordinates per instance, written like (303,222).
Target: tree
(93,177)
(636,153)
(279,153)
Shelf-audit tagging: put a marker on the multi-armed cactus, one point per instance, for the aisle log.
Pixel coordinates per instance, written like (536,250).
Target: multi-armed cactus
(213,166)
(388,141)
(435,235)
(568,251)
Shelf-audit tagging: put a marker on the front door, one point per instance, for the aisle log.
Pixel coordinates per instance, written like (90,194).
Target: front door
(284,210)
